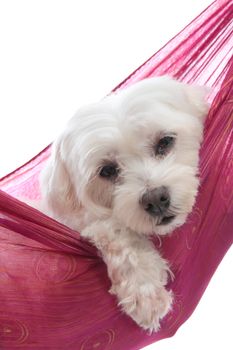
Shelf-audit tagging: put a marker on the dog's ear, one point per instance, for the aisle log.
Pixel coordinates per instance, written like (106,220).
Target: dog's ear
(56,185)
(197,99)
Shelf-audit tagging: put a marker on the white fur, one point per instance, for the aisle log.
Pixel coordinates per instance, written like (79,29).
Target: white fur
(124,128)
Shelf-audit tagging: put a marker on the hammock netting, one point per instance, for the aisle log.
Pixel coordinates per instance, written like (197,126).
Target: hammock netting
(54,286)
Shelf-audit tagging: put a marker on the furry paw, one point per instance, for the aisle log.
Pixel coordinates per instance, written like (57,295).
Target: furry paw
(146,306)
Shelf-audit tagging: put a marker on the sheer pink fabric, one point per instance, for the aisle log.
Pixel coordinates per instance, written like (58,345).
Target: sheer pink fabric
(54,287)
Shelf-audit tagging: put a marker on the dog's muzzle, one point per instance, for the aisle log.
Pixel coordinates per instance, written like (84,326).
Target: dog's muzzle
(156,203)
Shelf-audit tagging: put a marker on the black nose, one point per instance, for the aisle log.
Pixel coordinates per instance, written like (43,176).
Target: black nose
(156,201)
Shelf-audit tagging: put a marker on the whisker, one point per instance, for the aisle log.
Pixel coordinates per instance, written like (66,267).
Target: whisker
(160,241)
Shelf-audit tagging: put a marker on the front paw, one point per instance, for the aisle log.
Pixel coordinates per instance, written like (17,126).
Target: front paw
(146,306)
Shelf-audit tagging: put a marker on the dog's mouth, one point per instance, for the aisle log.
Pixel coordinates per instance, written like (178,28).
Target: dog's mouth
(166,220)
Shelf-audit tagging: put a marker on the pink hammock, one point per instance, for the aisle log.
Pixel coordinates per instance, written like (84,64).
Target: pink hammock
(54,287)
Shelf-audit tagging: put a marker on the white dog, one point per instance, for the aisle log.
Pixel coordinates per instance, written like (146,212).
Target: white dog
(123,169)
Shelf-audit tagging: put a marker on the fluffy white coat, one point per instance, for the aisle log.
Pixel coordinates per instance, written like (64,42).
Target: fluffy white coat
(124,131)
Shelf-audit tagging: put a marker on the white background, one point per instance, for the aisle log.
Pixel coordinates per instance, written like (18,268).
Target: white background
(58,55)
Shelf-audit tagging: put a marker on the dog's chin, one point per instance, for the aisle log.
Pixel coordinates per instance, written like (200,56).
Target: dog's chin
(164,227)
(170,224)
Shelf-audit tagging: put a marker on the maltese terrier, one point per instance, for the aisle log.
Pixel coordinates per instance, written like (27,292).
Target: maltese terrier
(124,169)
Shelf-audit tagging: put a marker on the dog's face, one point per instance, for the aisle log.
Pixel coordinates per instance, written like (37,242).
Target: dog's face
(133,156)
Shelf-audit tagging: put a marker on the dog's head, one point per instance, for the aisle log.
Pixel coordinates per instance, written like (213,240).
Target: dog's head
(133,155)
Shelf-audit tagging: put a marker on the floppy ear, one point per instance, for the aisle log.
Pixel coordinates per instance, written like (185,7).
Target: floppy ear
(197,99)
(57,188)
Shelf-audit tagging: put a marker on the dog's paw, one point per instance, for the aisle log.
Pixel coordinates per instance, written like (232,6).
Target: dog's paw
(146,306)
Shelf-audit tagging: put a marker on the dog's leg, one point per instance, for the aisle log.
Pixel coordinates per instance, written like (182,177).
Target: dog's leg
(137,272)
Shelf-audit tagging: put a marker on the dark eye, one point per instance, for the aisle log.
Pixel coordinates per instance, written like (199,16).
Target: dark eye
(164,145)
(109,171)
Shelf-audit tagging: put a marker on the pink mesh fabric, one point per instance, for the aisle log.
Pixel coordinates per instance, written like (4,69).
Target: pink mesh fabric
(54,287)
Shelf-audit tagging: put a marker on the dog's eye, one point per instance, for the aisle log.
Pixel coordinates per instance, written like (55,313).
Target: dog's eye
(109,171)
(164,145)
